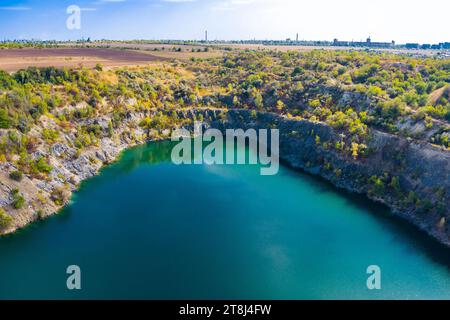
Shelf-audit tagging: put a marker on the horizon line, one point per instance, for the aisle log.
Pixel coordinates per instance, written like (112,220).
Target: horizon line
(288,40)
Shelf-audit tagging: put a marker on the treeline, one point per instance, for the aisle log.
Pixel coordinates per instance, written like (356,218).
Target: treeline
(27,44)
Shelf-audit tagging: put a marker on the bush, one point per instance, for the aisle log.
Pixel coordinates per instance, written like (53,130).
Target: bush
(5,219)
(6,81)
(50,135)
(16,175)
(99,67)
(18,199)
(378,186)
(5,121)
(42,166)
(447,116)
(60,195)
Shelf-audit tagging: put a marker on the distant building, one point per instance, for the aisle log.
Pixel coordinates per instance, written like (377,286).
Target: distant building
(368,44)
(412,46)
(338,43)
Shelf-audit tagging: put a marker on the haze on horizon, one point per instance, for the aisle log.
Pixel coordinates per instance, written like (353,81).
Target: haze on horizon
(383,20)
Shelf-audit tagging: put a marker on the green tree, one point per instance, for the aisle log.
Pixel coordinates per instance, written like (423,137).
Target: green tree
(18,200)
(259,101)
(5,219)
(16,175)
(5,121)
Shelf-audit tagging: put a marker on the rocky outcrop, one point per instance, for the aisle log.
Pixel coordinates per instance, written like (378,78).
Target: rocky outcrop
(45,196)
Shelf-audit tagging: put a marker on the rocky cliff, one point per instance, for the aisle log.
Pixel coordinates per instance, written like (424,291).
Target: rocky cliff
(410,178)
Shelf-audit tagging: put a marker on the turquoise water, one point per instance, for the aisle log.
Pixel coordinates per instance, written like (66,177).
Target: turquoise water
(147,229)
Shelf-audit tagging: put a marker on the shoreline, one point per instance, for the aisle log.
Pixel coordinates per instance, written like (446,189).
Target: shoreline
(110,152)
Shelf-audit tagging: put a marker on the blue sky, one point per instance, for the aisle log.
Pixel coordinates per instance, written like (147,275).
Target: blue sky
(383,20)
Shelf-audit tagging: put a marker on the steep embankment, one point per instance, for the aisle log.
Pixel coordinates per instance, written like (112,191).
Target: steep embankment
(412,179)
(45,195)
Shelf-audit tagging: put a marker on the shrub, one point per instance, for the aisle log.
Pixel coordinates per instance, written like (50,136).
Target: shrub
(16,175)
(59,195)
(18,199)
(99,67)
(395,185)
(297,70)
(378,186)
(50,135)
(259,101)
(411,199)
(5,219)
(43,166)
(6,81)
(5,121)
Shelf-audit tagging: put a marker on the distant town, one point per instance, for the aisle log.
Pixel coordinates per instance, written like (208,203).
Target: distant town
(287,42)
(339,43)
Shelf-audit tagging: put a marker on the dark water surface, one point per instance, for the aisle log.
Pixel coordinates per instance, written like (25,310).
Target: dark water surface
(145,228)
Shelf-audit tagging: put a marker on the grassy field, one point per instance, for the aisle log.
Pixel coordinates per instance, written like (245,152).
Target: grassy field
(170,51)
(116,54)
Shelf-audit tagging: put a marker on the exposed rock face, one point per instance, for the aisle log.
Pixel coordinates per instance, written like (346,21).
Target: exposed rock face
(422,172)
(46,196)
